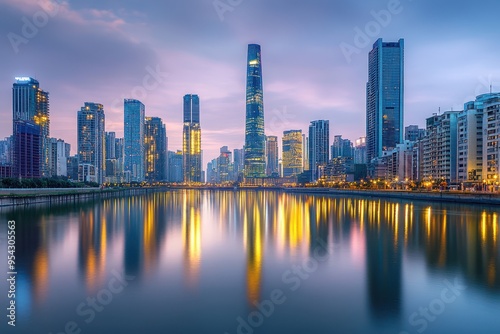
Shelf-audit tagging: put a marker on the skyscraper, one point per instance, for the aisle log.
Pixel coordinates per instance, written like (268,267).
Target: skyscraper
(110,145)
(319,141)
(134,139)
(292,153)
(272,168)
(31,104)
(384,98)
(255,139)
(91,143)
(155,147)
(27,153)
(191,141)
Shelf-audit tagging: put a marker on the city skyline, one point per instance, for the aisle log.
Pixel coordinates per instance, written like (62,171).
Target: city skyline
(323,84)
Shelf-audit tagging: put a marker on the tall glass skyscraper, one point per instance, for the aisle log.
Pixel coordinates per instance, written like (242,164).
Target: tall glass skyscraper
(384,97)
(31,104)
(255,139)
(319,142)
(134,139)
(191,140)
(272,163)
(91,143)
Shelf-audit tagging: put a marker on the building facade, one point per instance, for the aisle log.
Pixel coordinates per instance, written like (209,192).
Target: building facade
(292,153)
(319,143)
(255,139)
(272,156)
(384,97)
(27,153)
(31,104)
(191,140)
(91,143)
(134,116)
(155,148)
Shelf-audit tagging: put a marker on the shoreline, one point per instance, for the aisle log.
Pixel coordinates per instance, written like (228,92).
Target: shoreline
(23,197)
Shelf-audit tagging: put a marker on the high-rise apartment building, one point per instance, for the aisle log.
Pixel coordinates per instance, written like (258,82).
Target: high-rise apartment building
(155,148)
(91,142)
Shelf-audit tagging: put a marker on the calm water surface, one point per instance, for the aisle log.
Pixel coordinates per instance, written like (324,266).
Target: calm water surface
(254,262)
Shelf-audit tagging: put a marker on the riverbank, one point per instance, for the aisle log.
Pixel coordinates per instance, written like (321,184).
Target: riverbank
(441,196)
(20,197)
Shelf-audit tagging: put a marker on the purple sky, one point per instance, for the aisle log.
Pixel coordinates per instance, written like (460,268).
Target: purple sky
(103,51)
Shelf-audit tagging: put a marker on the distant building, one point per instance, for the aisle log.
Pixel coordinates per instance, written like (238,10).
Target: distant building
(224,166)
(360,157)
(175,167)
(384,97)
(134,115)
(414,133)
(72,168)
(191,141)
(239,162)
(272,156)
(342,148)
(491,144)
(58,157)
(91,143)
(305,152)
(110,145)
(155,148)
(319,142)
(292,153)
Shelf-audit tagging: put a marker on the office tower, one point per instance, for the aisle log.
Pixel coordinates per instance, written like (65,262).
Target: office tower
(239,162)
(342,148)
(191,140)
(155,147)
(31,104)
(134,139)
(319,142)
(91,141)
(224,165)
(292,153)
(175,167)
(384,98)
(27,156)
(440,147)
(110,145)
(414,133)
(272,156)
(255,139)
(360,151)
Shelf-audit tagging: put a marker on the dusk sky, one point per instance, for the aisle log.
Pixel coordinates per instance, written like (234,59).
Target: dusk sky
(103,51)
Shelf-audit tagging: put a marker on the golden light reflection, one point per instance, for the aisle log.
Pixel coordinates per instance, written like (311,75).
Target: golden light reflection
(191,231)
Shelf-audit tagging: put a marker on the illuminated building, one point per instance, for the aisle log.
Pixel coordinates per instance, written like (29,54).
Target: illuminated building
(384,97)
(191,140)
(360,151)
(319,141)
(91,141)
(155,147)
(491,142)
(134,139)
(31,104)
(27,153)
(255,139)
(292,153)
(272,156)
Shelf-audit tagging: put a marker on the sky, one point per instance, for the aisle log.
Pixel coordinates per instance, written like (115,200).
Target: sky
(314,58)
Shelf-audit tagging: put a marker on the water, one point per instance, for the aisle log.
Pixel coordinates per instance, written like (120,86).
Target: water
(254,262)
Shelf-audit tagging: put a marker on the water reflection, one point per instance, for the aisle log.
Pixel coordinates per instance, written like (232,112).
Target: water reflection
(142,234)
